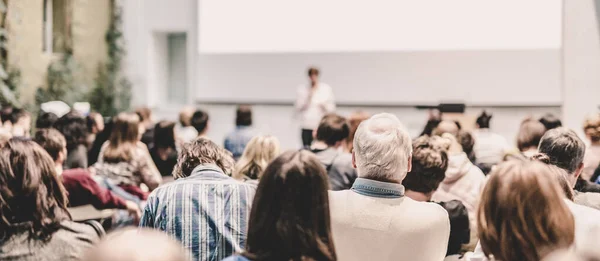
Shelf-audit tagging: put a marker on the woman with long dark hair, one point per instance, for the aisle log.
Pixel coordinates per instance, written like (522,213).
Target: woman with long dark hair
(34,222)
(124,160)
(290,213)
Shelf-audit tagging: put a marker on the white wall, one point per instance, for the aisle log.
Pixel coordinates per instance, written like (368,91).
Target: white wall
(578,89)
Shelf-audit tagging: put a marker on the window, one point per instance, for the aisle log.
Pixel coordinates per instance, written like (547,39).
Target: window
(56,33)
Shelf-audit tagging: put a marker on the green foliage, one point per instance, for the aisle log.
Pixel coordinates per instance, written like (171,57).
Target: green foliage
(63,82)
(9,79)
(112,92)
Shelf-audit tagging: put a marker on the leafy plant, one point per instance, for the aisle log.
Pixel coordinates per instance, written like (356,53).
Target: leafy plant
(9,79)
(112,92)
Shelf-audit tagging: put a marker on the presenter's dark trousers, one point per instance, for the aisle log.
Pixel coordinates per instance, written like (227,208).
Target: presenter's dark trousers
(307,138)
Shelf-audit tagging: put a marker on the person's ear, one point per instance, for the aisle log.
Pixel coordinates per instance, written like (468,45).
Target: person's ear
(353,160)
(314,134)
(409,164)
(578,171)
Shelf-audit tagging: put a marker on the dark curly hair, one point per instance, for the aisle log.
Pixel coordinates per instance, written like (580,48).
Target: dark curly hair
(74,127)
(32,198)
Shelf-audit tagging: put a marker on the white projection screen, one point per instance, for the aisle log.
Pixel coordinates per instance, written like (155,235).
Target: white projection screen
(399,51)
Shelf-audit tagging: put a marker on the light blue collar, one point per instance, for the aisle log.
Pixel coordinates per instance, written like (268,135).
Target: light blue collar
(378,189)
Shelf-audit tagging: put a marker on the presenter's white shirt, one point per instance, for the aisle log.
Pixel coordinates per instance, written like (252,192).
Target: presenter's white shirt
(311,110)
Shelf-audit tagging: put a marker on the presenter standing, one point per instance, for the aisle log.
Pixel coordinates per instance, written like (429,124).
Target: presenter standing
(312,103)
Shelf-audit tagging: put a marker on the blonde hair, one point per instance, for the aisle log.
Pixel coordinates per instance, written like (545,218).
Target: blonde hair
(522,214)
(259,152)
(591,126)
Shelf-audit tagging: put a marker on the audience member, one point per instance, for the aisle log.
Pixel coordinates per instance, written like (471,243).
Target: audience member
(550,121)
(463,180)
(20,120)
(34,221)
(261,150)
(5,114)
(137,245)
(312,103)
(529,137)
(74,127)
(467,142)
(45,120)
(101,138)
(200,122)
(185,131)
(95,125)
(433,120)
(290,213)
(147,124)
(353,121)
(164,152)
(522,215)
(124,160)
(490,147)
(327,146)
(236,141)
(373,220)
(204,208)
(566,150)
(446,127)
(429,164)
(591,160)
(81,188)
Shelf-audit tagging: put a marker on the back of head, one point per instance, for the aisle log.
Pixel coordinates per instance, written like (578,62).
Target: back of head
(144,113)
(530,134)
(51,140)
(202,151)
(200,121)
(259,152)
(591,127)
(446,126)
(382,149)
(483,121)
(46,120)
(123,138)
(467,142)
(550,121)
(74,127)
(564,148)
(429,164)
(95,122)
(164,135)
(522,214)
(243,115)
(185,116)
(137,245)
(32,198)
(5,113)
(556,173)
(289,219)
(18,114)
(333,129)
(353,121)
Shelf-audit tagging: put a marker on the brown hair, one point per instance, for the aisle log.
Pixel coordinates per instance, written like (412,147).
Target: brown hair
(522,215)
(123,138)
(290,219)
(32,198)
(202,151)
(243,115)
(591,127)
(353,121)
(164,135)
(313,71)
(530,134)
(429,164)
(332,129)
(144,113)
(559,174)
(51,140)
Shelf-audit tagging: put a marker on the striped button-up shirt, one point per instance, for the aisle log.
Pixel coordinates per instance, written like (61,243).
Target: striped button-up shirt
(207,212)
